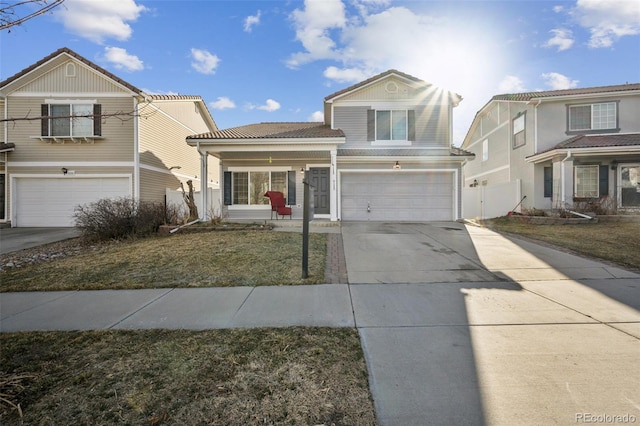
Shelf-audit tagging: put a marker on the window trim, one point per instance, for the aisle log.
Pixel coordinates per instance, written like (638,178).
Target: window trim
(485,149)
(520,116)
(591,130)
(392,142)
(47,123)
(249,170)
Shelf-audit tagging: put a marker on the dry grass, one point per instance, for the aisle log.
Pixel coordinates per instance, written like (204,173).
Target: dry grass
(242,377)
(616,242)
(211,259)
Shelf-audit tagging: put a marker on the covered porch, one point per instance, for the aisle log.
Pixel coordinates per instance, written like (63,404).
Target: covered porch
(265,157)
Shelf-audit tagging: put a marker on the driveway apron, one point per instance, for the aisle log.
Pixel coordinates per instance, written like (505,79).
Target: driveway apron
(460,325)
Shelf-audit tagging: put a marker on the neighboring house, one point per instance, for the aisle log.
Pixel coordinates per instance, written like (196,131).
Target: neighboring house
(75,133)
(384,152)
(558,149)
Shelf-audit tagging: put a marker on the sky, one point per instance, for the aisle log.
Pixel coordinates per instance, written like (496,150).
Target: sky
(266,61)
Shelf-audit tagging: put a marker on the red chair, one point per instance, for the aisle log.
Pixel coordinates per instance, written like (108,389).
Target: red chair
(278,204)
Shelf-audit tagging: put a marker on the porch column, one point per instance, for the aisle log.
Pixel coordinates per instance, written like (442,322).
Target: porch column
(204,187)
(333,190)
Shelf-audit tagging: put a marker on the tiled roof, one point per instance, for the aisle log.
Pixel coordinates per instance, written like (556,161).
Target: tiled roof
(175,97)
(568,92)
(596,141)
(372,79)
(600,141)
(78,57)
(398,152)
(274,131)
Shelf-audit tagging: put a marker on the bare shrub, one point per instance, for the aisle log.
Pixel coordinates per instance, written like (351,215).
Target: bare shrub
(108,219)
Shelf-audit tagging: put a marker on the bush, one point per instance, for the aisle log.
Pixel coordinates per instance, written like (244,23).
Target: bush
(118,218)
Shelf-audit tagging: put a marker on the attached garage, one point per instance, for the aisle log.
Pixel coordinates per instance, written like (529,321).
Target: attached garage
(410,196)
(50,201)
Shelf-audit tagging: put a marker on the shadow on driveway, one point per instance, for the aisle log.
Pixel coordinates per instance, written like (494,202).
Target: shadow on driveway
(14,239)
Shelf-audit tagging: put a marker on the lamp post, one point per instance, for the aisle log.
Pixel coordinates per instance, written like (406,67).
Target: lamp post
(307,215)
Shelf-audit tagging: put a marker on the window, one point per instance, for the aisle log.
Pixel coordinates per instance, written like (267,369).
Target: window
(71,120)
(391,125)
(591,117)
(519,130)
(249,187)
(586,181)
(485,150)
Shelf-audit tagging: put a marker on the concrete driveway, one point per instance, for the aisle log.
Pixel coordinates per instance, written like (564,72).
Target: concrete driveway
(14,239)
(460,325)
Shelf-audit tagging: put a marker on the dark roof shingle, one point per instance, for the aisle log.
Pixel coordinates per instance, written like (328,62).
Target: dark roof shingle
(596,141)
(274,131)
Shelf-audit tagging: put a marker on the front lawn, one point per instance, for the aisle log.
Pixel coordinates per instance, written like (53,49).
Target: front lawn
(617,242)
(211,259)
(307,376)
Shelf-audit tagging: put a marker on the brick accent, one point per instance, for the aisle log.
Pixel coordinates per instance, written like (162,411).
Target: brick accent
(336,268)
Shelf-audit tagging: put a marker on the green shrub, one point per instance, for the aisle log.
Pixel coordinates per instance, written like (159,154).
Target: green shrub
(118,218)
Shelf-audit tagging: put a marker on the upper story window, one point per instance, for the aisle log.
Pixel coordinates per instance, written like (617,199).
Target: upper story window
(519,130)
(485,150)
(71,120)
(391,127)
(592,117)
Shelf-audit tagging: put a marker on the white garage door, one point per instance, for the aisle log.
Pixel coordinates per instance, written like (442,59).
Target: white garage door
(51,201)
(397,196)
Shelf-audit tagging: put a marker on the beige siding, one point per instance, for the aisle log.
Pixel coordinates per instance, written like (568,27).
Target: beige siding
(117,143)
(379,91)
(61,79)
(164,126)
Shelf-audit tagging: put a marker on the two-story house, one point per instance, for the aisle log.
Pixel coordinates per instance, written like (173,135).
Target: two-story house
(74,133)
(384,152)
(552,150)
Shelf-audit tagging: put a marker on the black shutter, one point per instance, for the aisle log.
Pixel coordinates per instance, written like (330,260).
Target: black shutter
(226,182)
(97,120)
(371,125)
(411,123)
(291,185)
(548,182)
(44,122)
(603,183)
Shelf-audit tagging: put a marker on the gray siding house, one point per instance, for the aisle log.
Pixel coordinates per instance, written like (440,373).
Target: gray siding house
(563,149)
(383,153)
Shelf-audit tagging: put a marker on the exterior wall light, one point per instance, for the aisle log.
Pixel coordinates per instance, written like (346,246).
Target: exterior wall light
(396,166)
(65,170)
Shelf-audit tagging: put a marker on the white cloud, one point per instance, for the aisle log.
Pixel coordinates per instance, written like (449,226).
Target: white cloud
(557,81)
(99,20)
(511,84)
(608,20)
(562,39)
(250,21)
(222,103)
(122,60)
(558,9)
(312,26)
(203,61)
(270,106)
(317,116)
(345,75)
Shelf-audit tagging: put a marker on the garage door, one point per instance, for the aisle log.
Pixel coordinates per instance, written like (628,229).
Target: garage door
(397,196)
(51,201)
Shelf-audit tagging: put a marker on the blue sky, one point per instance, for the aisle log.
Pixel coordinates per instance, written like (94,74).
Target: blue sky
(255,61)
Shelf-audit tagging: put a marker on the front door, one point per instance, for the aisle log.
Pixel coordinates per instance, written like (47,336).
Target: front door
(319,178)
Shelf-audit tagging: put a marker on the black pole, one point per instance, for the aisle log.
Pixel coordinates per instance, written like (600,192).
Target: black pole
(305,228)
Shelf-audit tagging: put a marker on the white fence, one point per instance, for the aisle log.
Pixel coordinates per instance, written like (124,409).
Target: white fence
(484,202)
(213,209)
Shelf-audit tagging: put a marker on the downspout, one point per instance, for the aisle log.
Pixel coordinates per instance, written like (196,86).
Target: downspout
(535,126)
(204,184)
(562,183)
(136,150)
(6,160)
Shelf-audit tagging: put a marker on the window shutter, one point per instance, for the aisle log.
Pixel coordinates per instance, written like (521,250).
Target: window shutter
(97,120)
(226,182)
(411,123)
(371,125)
(603,182)
(44,126)
(548,182)
(291,185)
